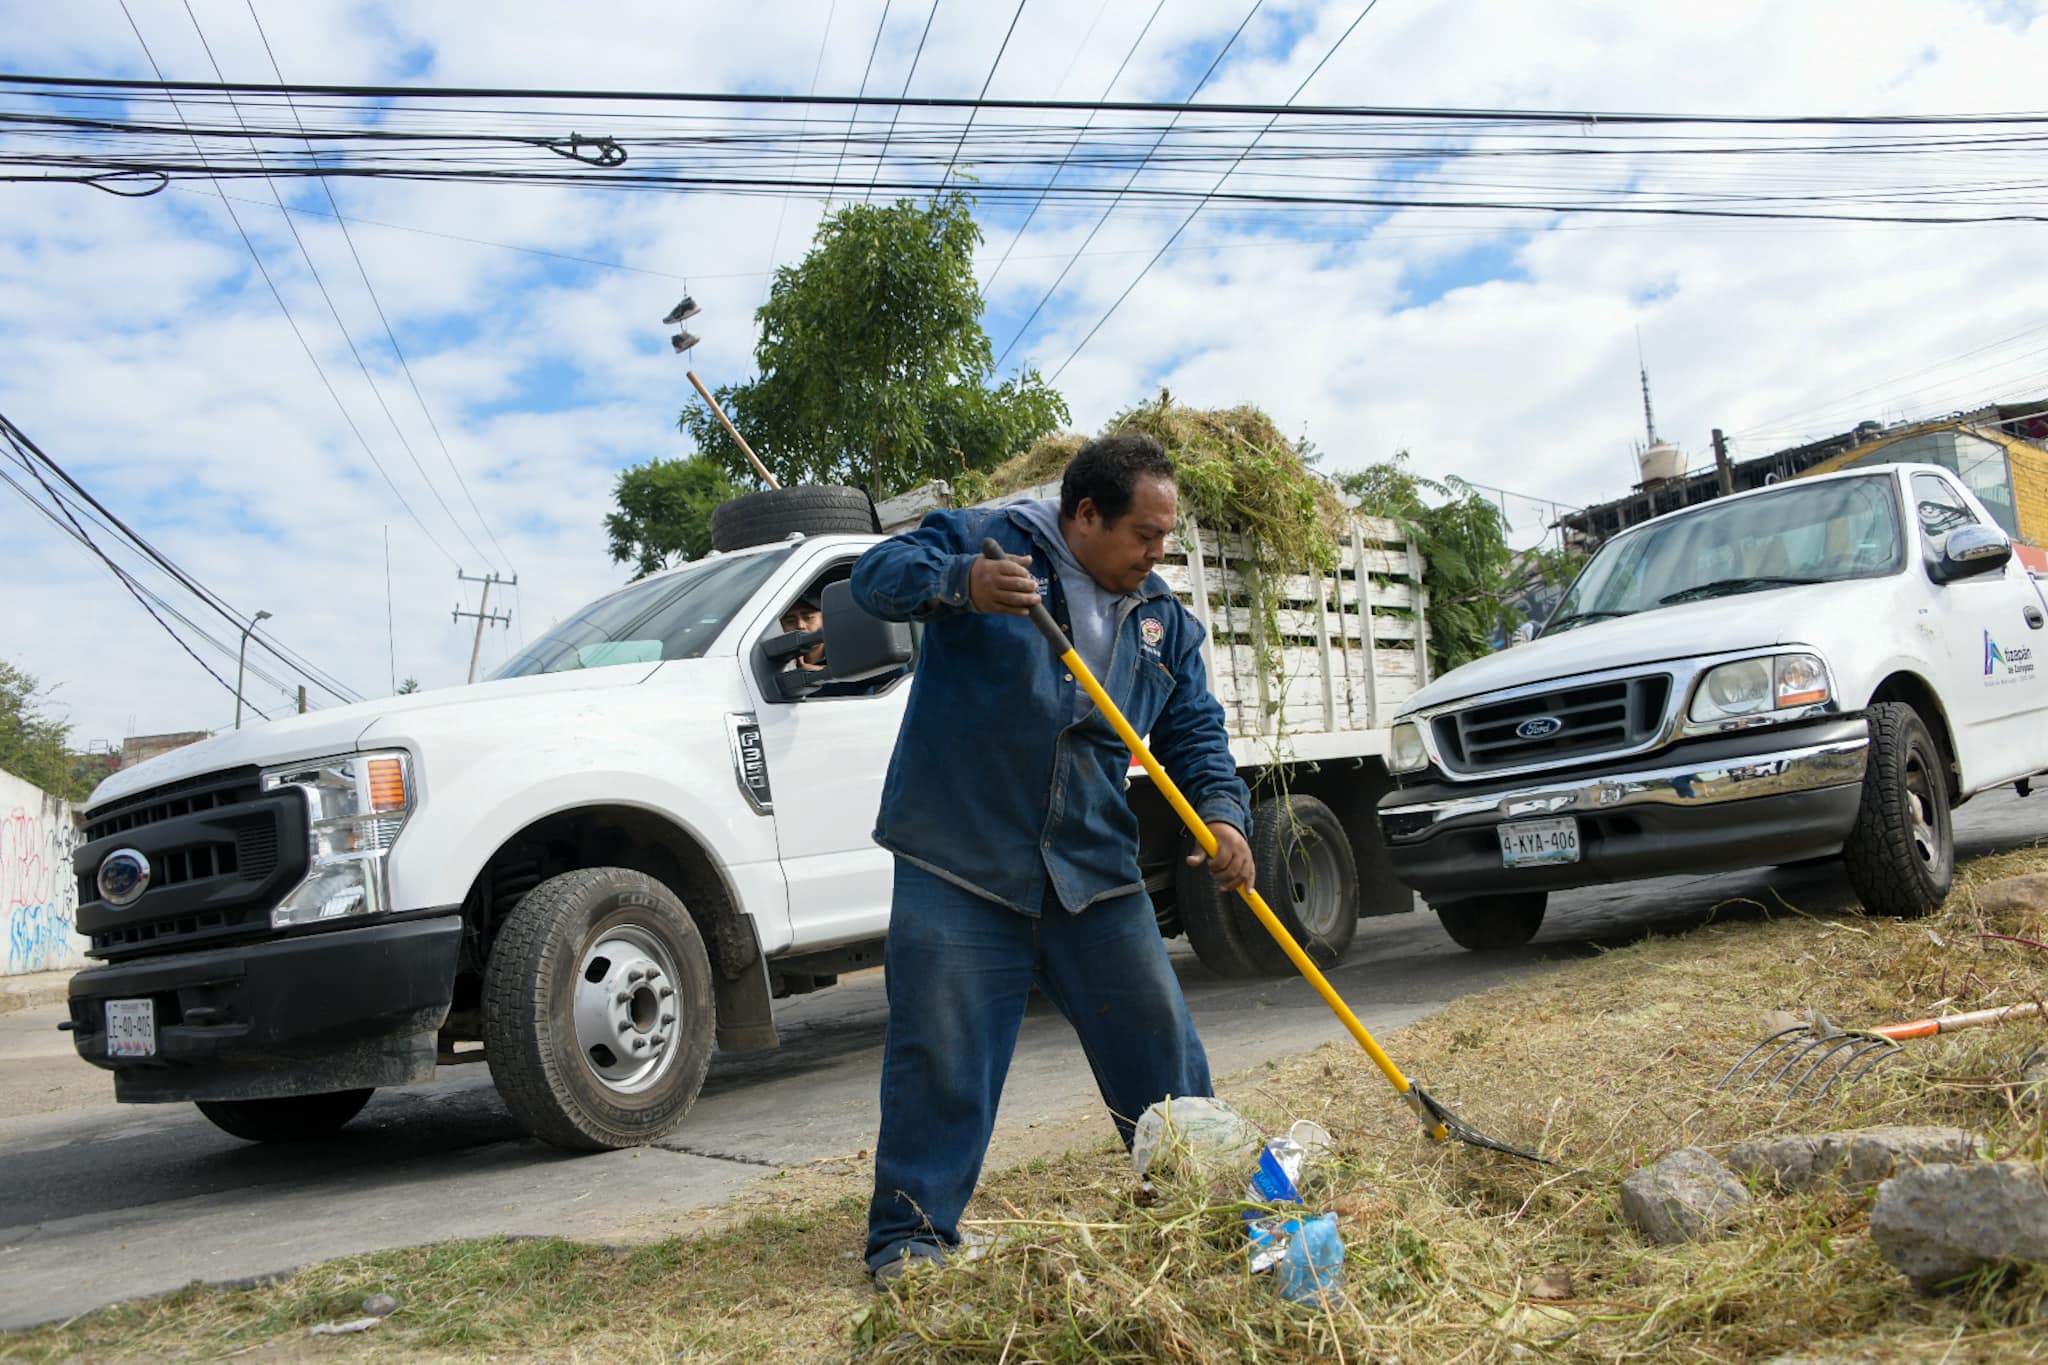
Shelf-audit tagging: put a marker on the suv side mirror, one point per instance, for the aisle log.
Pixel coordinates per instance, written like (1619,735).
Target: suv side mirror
(1972,550)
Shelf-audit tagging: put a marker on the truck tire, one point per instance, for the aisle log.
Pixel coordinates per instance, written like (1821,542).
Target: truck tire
(293,1118)
(598,1019)
(1307,877)
(777,513)
(1901,853)
(1488,924)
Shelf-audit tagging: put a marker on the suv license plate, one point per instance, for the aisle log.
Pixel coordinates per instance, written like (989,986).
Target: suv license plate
(1528,843)
(131,1028)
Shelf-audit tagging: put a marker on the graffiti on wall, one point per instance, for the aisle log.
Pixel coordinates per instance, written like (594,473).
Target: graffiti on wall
(38,892)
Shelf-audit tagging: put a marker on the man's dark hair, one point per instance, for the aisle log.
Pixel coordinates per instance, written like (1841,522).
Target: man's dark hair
(1108,468)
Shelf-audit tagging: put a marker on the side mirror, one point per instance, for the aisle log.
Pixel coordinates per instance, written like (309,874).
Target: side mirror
(1522,634)
(859,646)
(1972,550)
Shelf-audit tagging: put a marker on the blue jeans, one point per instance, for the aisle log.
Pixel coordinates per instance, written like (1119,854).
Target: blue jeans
(959,970)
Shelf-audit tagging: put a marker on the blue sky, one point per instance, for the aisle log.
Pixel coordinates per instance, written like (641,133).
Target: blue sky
(139,345)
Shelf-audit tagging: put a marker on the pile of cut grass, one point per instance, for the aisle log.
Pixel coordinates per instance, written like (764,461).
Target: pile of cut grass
(1237,472)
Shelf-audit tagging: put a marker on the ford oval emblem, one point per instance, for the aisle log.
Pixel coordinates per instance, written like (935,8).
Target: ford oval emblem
(123,877)
(1539,727)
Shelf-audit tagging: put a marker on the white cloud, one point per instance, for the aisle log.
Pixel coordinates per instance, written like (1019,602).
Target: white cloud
(144,351)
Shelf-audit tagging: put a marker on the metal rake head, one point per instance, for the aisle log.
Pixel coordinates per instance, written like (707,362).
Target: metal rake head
(1815,1054)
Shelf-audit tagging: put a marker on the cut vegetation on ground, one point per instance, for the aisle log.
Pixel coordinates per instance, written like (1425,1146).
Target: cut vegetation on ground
(1453,1254)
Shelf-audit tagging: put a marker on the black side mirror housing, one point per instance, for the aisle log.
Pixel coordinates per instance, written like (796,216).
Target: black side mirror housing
(1970,551)
(857,646)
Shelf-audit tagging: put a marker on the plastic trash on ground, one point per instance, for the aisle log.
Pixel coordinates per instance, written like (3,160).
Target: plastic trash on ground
(1306,1255)
(1209,1133)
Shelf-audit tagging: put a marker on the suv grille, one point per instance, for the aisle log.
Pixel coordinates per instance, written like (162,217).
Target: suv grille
(221,853)
(1592,719)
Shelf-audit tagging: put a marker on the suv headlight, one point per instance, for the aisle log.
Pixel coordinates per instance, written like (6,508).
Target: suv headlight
(356,804)
(1752,691)
(1406,752)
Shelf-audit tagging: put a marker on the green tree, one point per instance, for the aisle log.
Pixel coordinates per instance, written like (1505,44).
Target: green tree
(665,507)
(873,366)
(34,746)
(1463,539)
(408,687)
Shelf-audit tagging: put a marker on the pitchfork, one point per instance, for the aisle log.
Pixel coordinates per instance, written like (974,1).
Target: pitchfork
(1798,1055)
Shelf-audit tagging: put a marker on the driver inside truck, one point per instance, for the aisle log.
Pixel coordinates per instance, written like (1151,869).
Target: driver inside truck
(805,615)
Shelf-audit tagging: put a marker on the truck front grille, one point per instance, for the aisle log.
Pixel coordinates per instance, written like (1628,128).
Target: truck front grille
(221,854)
(1565,723)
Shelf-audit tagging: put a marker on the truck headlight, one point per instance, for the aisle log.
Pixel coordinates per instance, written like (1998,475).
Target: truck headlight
(1752,689)
(1405,750)
(356,805)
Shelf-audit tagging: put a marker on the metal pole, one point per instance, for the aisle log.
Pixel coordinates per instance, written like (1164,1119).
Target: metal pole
(241,660)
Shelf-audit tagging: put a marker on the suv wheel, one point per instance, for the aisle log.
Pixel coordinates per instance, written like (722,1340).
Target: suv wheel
(1901,854)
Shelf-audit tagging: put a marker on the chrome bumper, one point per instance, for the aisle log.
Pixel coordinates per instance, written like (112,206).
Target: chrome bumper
(1811,767)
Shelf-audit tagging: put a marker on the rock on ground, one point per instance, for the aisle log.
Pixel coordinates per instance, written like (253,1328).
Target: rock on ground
(1685,1197)
(2013,897)
(1856,1157)
(1940,1223)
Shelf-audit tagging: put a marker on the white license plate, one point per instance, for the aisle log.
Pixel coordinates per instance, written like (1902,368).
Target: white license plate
(131,1028)
(1527,843)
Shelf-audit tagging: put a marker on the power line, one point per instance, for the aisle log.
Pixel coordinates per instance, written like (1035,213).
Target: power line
(127,583)
(908,76)
(775,247)
(277,294)
(376,389)
(1204,200)
(992,66)
(375,302)
(1135,172)
(851,118)
(1589,117)
(1068,156)
(29,454)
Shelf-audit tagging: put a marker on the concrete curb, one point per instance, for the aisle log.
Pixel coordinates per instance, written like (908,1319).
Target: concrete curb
(32,990)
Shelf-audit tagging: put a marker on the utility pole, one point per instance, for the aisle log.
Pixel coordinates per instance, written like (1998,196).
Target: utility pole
(1721,463)
(302,699)
(483,614)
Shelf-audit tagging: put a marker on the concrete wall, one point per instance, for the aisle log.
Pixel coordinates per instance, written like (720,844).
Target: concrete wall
(38,890)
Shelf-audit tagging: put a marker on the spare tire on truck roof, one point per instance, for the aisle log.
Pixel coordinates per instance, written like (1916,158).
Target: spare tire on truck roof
(777,513)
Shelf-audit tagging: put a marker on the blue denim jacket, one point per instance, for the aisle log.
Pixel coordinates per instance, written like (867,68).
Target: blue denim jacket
(994,786)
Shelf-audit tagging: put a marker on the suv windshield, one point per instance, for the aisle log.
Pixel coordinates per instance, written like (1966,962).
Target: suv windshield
(1806,533)
(675,616)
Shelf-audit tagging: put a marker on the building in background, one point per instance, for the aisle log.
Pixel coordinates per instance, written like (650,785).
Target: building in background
(2000,451)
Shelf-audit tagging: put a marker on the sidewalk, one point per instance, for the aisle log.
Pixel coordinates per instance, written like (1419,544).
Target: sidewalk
(31,989)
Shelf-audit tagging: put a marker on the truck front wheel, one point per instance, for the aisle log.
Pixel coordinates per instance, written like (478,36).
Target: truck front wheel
(292,1118)
(1901,854)
(1489,923)
(598,1011)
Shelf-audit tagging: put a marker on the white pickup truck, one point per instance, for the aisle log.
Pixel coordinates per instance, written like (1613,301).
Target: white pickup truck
(1819,668)
(610,858)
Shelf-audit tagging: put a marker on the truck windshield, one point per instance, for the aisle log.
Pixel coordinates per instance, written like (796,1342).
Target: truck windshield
(675,616)
(1806,533)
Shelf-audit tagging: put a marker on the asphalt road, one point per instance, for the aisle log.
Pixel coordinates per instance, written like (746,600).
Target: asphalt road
(100,1202)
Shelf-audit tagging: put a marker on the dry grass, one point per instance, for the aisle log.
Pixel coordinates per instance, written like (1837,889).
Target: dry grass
(1603,1065)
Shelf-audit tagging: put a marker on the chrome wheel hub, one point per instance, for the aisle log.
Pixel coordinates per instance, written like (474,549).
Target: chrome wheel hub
(626,1009)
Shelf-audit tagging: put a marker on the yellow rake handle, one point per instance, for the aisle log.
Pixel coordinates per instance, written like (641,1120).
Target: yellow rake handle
(1203,835)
